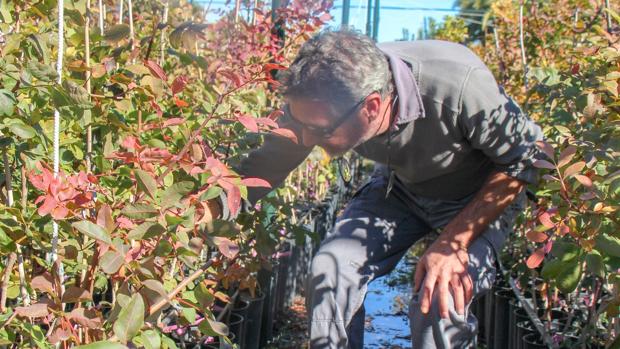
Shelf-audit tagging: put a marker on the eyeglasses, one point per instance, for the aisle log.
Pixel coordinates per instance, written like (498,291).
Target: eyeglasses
(326,132)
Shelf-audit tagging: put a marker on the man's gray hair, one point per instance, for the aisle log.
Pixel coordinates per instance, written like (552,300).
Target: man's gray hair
(338,67)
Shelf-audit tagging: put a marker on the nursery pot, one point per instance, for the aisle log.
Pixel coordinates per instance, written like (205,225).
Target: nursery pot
(253,321)
(241,308)
(533,341)
(237,329)
(502,318)
(518,315)
(524,328)
(266,279)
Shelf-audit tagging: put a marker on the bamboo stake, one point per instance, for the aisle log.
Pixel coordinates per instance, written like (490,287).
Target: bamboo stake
(132,37)
(120,13)
(89,131)
(521,41)
(7,177)
(237,6)
(162,37)
(101,16)
(608,16)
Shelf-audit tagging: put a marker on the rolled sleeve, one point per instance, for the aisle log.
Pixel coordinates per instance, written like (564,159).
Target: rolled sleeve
(494,124)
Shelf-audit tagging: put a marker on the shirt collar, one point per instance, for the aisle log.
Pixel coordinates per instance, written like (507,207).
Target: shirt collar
(410,105)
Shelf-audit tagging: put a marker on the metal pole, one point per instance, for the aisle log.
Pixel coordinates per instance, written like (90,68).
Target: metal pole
(346,9)
(375,24)
(369,18)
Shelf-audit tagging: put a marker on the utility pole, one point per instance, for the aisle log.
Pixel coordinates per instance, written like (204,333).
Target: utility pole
(369,18)
(346,9)
(375,24)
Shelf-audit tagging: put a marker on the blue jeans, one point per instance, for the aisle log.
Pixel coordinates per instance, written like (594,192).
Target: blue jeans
(368,240)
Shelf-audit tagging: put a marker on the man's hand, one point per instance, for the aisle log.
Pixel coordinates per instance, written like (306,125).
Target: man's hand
(443,267)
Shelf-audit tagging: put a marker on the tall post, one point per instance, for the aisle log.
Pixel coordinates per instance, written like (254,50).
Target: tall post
(375,23)
(425,31)
(346,9)
(369,18)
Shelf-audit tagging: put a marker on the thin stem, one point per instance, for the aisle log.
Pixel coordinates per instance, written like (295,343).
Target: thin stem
(5,280)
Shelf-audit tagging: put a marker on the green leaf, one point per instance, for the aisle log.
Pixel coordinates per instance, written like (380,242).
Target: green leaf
(22,130)
(111,261)
(173,194)
(42,71)
(78,94)
(551,269)
(595,264)
(608,245)
(213,328)
(7,102)
(146,230)
(140,211)
(102,345)
(130,319)
(211,193)
(116,33)
(151,339)
(146,182)
(569,277)
(93,230)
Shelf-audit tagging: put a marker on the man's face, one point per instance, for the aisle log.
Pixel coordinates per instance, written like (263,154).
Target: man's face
(336,134)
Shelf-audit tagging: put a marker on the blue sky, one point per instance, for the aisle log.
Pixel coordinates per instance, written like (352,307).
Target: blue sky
(394,16)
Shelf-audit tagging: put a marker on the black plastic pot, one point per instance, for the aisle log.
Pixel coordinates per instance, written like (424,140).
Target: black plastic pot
(253,321)
(266,279)
(502,317)
(513,305)
(523,328)
(519,315)
(489,318)
(236,327)
(533,341)
(478,309)
(241,308)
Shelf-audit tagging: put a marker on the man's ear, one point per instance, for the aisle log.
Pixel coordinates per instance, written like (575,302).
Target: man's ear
(373,106)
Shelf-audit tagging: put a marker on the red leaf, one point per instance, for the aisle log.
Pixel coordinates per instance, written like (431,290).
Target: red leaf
(43,283)
(178,84)
(226,247)
(587,196)
(536,258)
(34,310)
(547,149)
(585,180)
(267,122)
(536,236)
(272,66)
(274,115)
(180,103)
(130,142)
(575,69)
(574,168)
(545,219)
(284,132)
(156,70)
(255,182)
(47,207)
(104,218)
(249,122)
(567,155)
(75,294)
(544,164)
(173,122)
(86,317)
(60,212)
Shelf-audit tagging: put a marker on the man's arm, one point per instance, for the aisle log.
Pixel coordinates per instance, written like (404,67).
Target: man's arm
(494,124)
(444,264)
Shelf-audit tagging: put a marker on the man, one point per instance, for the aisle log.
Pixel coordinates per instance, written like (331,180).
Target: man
(453,153)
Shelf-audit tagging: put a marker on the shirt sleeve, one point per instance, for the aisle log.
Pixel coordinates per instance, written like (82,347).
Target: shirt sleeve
(494,124)
(274,160)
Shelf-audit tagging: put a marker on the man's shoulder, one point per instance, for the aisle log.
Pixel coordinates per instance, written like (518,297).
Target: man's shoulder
(440,68)
(433,51)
